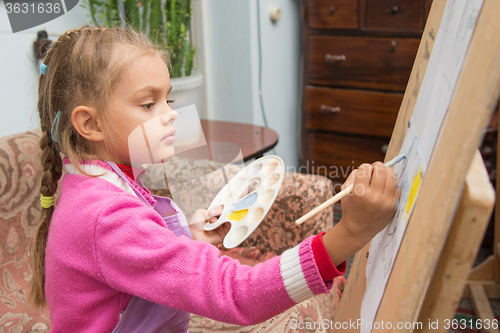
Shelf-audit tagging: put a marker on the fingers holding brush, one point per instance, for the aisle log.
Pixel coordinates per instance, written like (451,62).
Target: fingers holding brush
(350,180)
(378,178)
(371,204)
(396,190)
(360,182)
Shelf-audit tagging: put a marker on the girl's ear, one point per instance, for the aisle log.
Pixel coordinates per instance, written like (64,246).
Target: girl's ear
(86,123)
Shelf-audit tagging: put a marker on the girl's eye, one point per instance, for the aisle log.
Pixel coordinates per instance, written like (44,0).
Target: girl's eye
(148,106)
(170,101)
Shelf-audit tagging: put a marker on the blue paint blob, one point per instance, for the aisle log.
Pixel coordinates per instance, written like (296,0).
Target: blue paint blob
(245,202)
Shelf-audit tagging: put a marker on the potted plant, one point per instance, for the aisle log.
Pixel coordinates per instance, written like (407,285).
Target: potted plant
(166,23)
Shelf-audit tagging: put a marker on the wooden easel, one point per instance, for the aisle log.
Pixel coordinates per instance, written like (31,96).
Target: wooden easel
(461,247)
(455,199)
(484,280)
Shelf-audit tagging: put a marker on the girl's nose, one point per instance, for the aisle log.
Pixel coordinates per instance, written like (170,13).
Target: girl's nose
(169,116)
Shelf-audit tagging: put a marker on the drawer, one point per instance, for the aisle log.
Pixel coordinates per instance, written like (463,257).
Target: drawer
(394,15)
(336,156)
(366,62)
(351,111)
(333,14)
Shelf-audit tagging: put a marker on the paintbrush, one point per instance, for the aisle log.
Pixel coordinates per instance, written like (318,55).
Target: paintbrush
(337,197)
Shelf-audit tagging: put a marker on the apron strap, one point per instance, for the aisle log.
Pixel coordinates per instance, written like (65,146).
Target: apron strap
(125,178)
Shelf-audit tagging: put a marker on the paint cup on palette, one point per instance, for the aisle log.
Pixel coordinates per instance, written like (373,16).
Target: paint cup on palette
(247,198)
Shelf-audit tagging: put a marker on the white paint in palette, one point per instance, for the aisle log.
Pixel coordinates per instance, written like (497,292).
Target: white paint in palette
(247,198)
(445,64)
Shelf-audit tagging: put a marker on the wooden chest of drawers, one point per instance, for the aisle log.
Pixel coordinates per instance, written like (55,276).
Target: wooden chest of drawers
(358,56)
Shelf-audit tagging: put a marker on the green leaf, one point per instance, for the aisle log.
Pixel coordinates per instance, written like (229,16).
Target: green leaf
(173,13)
(145,10)
(132,14)
(92,7)
(188,66)
(156,22)
(109,13)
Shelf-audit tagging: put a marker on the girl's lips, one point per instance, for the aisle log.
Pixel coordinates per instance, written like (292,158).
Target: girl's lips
(170,137)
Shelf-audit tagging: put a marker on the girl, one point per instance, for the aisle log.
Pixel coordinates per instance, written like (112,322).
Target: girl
(110,257)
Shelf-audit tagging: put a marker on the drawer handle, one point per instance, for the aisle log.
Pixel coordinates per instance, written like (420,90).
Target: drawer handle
(334,58)
(383,149)
(393,45)
(331,10)
(393,10)
(329,109)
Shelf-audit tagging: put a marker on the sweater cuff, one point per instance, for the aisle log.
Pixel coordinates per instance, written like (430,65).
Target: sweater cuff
(326,267)
(300,273)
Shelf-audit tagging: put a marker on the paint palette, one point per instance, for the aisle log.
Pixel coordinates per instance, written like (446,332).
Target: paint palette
(247,198)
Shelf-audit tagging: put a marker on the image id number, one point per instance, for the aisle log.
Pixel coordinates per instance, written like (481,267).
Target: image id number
(40,8)
(477,324)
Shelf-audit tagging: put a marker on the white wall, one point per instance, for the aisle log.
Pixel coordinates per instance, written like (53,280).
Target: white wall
(231,56)
(19,70)
(228,68)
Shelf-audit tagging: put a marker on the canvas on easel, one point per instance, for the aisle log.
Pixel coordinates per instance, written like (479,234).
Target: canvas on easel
(448,101)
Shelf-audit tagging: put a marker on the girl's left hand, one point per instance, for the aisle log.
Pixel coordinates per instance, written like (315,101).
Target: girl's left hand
(200,217)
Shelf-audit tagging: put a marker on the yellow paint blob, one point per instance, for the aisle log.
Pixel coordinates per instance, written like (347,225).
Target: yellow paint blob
(412,196)
(238,215)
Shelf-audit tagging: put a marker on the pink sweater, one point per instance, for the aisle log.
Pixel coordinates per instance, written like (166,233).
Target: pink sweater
(105,245)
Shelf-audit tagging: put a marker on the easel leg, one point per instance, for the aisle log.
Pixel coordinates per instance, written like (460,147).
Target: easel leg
(482,307)
(461,247)
(484,280)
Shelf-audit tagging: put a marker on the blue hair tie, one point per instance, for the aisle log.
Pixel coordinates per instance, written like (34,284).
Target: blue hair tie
(53,133)
(43,67)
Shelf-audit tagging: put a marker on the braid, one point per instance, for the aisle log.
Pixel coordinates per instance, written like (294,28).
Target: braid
(52,171)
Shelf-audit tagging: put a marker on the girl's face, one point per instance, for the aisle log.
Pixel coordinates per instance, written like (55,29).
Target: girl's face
(142,122)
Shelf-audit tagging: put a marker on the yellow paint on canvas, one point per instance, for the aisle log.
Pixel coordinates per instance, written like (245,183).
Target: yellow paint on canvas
(412,196)
(238,215)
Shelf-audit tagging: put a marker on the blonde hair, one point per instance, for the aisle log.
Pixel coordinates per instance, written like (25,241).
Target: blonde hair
(81,70)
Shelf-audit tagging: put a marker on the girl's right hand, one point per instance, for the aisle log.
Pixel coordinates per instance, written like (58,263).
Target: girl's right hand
(200,217)
(365,212)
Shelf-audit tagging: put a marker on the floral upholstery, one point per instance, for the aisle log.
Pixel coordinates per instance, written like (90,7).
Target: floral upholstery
(20,208)
(19,213)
